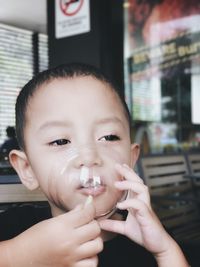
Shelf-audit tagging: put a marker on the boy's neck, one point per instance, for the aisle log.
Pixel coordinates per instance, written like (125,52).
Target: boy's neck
(55,211)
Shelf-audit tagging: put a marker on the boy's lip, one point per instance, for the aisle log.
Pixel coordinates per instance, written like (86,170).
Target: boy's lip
(93,191)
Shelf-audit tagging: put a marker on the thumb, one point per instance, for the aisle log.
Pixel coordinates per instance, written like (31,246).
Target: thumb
(88,211)
(89,208)
(88,201)
(112,226)
(83,213)
(77,208)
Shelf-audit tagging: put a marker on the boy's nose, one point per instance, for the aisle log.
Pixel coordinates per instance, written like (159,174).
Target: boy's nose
(88,157)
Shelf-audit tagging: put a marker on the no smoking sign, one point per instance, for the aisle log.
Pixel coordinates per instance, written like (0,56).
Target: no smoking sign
(72,17)
(71,7)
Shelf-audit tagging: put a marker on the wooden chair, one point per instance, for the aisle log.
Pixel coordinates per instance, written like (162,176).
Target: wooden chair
(13,192)
(172,195)
(193,160)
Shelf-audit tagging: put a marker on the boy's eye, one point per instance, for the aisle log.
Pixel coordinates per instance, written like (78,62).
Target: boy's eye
(60,142)
(110,137)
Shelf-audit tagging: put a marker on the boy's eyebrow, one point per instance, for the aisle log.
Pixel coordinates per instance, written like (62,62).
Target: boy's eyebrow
(110,120)
(55,123)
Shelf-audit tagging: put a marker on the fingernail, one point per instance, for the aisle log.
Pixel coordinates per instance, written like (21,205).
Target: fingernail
(125,165)
(88,200)
(118,205)
(78,207)
(117,183)
(118,165)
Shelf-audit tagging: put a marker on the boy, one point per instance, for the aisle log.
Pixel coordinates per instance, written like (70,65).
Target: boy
(77,106)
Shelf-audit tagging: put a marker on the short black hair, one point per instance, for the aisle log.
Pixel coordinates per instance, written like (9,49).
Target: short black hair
(69,70)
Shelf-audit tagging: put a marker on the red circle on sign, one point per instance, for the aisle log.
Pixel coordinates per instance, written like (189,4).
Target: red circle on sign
(66,4)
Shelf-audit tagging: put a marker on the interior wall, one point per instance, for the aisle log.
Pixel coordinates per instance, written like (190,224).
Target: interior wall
(102,46)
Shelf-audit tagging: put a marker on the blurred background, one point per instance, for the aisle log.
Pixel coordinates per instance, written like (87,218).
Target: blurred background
(151,48)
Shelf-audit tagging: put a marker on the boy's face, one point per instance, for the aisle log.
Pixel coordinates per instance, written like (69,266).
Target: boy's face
(71,123)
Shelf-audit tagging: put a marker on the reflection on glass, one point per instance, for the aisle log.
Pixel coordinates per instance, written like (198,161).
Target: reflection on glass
(163,54)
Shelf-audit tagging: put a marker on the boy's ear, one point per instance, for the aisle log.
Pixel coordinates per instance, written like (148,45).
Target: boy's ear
(20,163)
(135,152)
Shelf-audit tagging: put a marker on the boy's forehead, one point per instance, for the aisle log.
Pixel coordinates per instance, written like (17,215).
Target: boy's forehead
(80,85)
(84,90)
(79,103)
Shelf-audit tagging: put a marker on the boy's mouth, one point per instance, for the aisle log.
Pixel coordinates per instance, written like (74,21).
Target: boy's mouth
(92,190)
(90,183)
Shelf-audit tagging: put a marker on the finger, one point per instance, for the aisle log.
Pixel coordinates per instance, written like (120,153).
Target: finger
(133,186)
(128,173)
(88,232)
(92,262)
(136,205)
(80,216)
(85,215)
(112,226)
(90,248)
(135,190)
(78,207)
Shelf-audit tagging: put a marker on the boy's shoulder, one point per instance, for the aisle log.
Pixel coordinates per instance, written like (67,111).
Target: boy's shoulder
(19,217)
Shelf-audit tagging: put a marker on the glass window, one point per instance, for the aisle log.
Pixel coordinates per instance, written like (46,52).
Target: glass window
(161,57)
(17,66)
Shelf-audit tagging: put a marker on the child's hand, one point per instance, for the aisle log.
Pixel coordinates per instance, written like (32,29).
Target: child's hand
(72,239)
(141,225)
